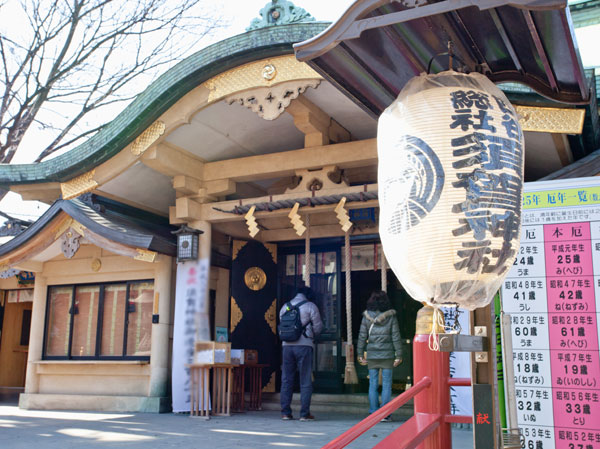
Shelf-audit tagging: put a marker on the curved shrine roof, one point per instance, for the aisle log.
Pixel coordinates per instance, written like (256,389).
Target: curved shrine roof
(159,97)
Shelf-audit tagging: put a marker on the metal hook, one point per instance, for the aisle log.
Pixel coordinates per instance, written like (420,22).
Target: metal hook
(451,57)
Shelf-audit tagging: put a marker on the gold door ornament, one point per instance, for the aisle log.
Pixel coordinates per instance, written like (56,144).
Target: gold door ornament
(255,278)
(236,315)
(271,316)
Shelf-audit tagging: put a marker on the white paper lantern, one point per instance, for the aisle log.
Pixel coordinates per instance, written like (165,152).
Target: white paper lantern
(450,183)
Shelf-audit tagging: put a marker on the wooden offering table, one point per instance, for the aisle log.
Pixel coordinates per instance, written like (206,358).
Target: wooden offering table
(200,401)
(254,374)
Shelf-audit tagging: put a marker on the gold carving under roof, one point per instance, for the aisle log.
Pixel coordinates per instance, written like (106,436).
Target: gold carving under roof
(66,224)
(551,120)
(255,278)
(236,315)
(147,138)
(251,75)
(96,265)
(270,387)
(269,72)
(78,186)
(272,249)
(237,246)
(78,227)
(271,316)
(144,255)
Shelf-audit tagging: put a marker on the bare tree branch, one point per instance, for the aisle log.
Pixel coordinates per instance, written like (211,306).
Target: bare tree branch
(76,57)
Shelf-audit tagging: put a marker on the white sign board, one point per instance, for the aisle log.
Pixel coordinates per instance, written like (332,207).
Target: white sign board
(552,293)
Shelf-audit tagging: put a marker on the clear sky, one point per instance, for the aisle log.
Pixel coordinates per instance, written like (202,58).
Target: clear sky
(239,14)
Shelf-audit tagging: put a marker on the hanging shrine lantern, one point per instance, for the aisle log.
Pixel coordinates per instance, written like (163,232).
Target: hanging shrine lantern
(450,151)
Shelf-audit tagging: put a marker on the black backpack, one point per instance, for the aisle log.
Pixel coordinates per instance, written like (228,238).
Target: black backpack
(290,324)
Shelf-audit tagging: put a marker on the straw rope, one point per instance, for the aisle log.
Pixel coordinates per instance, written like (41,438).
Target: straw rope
(350,376)
(383,271)
(307,259)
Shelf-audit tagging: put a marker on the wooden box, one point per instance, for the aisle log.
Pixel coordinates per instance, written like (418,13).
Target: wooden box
(212,352)
(250,356)
(237,356)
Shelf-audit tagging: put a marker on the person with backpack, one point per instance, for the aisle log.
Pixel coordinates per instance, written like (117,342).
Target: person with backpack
(299,323)
(380,335)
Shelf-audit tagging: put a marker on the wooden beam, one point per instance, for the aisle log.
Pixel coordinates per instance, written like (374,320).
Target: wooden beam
(318,127)
(173,216)
(276,165)
(564,152)
(127,201)
(171,161)
(280,235)
(47,192)
(337,133)
(186,185)
(220,187)
(30,265)
(187,209)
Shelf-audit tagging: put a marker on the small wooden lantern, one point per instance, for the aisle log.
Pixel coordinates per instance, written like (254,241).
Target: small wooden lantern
(187,243)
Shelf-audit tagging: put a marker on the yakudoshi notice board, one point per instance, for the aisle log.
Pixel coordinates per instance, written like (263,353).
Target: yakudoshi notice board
(552,293)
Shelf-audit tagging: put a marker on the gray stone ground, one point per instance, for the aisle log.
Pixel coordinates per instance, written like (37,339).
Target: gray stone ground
(27,429)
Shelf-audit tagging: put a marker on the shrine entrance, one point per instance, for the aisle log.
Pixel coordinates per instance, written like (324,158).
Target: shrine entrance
(325,280)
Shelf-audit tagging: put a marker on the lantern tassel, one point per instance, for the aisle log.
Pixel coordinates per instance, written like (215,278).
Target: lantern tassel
(438,322)
(350,376)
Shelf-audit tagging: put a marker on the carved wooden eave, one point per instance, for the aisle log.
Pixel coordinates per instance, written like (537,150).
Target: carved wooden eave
(91,220)
(270,102)
(64,229)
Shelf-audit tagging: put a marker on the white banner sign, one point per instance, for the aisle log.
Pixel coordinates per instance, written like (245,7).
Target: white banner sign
(461,398)
(191,302)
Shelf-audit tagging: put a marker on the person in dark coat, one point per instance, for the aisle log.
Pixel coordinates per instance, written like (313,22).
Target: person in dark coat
(380,336)
(298,355)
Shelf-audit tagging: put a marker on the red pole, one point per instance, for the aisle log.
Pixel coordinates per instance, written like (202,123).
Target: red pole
(435,365)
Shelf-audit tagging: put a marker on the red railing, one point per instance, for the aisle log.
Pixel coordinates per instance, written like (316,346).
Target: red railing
(353,433)
(432,406)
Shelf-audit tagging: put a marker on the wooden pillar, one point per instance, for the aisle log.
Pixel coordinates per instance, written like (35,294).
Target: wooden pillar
(159,355)
(36,335)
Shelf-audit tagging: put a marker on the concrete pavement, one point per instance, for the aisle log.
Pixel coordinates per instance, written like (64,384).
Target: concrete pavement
(27,429)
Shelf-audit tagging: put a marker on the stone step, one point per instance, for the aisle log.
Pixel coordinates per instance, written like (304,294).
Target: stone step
(333,403)
(10,395)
